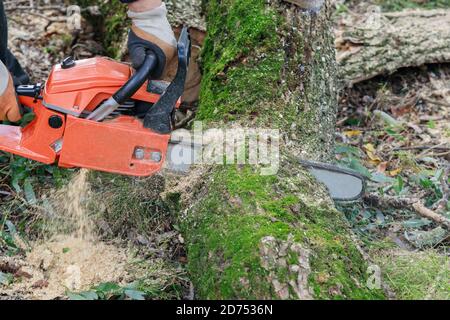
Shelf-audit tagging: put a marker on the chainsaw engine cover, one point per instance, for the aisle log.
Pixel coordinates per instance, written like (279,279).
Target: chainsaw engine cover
(86,83)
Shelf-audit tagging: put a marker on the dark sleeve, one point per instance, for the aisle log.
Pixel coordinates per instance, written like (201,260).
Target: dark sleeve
(127,1)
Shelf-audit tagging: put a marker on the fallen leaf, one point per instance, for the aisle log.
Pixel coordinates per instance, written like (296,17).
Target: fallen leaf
(352,133)
(395,172)
(369,147)
(381,168)
(370,151)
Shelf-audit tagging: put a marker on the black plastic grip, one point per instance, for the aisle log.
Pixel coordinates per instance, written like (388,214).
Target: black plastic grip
(159,117)
(137,80)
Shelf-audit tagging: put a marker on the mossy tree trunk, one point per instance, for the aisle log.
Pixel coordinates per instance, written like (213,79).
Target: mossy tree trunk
(271,64)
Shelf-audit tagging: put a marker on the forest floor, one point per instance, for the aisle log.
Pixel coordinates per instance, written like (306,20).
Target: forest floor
(404,151)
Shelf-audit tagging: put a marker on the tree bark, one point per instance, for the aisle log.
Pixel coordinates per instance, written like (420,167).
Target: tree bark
(270,64)
(381,43)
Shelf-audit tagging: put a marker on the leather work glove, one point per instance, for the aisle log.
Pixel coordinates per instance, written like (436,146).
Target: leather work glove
(151,31)
(9,107)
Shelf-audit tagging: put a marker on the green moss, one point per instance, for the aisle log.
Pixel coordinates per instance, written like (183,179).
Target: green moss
(235,75)
(241,208)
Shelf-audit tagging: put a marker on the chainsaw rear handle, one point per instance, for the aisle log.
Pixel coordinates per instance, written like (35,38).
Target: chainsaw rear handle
(137,80)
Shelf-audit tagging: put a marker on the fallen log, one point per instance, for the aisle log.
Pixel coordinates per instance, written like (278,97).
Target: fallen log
(379,43)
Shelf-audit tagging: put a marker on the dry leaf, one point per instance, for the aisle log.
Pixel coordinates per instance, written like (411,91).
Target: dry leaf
(381,168)
(370,151)
(395,172)
(352,133)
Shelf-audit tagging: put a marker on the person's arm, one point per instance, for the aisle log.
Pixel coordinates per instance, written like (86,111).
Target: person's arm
(9,108)
(150,31)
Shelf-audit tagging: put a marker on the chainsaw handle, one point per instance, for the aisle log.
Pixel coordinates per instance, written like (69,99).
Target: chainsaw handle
(159,117)
(137,80)
(126,91)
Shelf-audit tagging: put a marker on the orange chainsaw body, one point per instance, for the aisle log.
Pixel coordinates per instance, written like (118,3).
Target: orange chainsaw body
(74,141)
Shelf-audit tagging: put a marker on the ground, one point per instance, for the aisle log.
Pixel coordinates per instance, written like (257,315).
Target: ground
(403,147)
(394,129)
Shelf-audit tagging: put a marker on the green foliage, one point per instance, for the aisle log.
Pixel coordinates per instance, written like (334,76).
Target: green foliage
(350,157)
(8,236)
(6,278)
(21,172)
(25,179)
(127,203)
(416,275)
(109,291)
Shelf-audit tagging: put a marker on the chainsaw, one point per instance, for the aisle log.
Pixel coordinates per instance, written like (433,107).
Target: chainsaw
(99,114)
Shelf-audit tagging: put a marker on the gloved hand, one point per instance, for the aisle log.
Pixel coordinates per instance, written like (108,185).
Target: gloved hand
(151,31)
(9,107)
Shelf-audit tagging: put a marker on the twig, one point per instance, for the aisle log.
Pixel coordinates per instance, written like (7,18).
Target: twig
(185,120)
(51,19)
(408,203)
(438,148)
(436,155)
(27,8)
(436,102)
(430,214)
(426,151)
(388,201)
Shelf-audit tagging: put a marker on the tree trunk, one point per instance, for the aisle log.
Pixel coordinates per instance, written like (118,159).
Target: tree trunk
(271,64)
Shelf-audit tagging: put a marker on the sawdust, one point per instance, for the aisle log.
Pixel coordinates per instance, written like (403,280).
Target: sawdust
(72,258)
(74,207)
(66,210)
(67,264)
